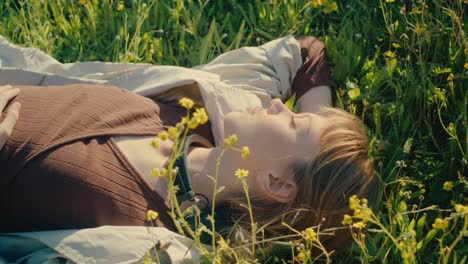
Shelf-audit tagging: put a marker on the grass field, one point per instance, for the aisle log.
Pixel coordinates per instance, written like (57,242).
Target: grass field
(401,66)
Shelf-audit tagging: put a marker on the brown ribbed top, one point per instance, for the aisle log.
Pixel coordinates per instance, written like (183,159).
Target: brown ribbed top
(59,169)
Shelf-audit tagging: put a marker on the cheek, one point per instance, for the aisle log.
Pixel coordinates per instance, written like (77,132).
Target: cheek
(275,141)
(305,149)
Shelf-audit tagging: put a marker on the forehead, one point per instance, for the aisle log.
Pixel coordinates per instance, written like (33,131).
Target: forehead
(314,123)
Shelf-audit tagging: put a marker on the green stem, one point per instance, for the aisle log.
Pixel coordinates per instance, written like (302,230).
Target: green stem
(384,15)
(213,203)
(455,242)
(252,223)
(384,229)
(176,211)
(454,136)
(270,240)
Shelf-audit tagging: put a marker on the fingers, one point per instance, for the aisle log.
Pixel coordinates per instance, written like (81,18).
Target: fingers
(7,92)
(5,87)
(6,127)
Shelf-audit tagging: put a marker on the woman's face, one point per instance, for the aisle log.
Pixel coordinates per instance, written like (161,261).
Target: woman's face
(276,136)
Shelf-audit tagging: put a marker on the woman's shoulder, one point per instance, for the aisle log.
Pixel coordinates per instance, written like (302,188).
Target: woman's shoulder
(73,88)
(84,95)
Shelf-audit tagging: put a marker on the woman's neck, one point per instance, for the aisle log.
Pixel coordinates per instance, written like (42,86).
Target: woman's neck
(201,163)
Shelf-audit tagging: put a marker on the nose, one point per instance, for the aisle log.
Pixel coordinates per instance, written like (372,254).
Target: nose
(276,107)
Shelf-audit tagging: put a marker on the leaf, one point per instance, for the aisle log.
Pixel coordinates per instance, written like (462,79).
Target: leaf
(420,224)
(402,207)
(391,65)
(239,36)
(207,43)
(220,189)
(419,245)
(211,178)
(430,235)
(411,224)
(290,102)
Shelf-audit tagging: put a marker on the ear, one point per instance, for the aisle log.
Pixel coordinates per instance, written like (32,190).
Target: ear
(273,186)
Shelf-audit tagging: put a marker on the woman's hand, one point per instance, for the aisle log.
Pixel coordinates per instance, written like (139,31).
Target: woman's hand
(11,116)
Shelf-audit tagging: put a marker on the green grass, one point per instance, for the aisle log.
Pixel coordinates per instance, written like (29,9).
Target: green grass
(401,66)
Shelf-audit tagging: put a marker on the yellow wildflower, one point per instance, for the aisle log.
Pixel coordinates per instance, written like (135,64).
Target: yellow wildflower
(448,186)
(222,244)
(156,172)
(465,66)
(241,174)
(459,208)
(317,3)
(120,6)
(440,223)
(364,213)
(184,120)
(389,1)
(341,91)
(201,115)
(418,29)
(396,45)
(245,152)
(229,141)
(151,215)
(163,135)
(347,220)
(186,102)
(310,235)
(364,201)
(301,256)
(173,132)
(390,54)
(193,123)
(450,80)
(156,143)
(359,225)
(330,7)
(354,202)
(180,127)
(82,2)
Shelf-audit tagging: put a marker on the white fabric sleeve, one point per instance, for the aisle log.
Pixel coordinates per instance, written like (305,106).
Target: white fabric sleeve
(105,244)
(269,68)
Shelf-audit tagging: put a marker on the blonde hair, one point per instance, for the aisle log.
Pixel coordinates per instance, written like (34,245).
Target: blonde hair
(340,169)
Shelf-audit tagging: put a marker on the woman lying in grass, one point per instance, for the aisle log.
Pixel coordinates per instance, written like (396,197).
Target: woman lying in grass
(80,156)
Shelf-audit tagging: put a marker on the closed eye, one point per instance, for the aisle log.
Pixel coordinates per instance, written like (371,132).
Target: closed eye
(293,122)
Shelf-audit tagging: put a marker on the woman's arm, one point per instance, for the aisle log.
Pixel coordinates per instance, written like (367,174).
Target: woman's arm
(11,116)
(313,83)
(314,98)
